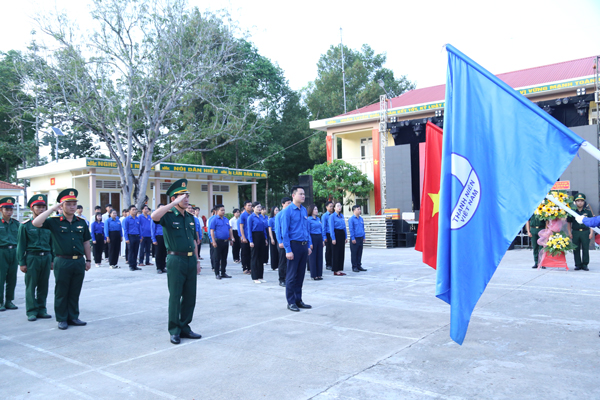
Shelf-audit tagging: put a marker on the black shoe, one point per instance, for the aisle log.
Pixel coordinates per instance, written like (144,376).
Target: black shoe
(225,276)
(175,339)
(543,267)
(32,318)
(361,269)
(293,307)
(132,269)
(577,268)
(282,284)
(191,335)
(137,268)
(275,269)
(10,306)
(44,315)
(159,271)
(217,276)
(585,268)
(534,267)
(301,304)
(328,267)
(355,270)
(63,325)
(320,278)
(76,322)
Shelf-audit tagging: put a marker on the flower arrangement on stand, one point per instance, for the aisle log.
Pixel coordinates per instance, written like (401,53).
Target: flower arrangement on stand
(554,238)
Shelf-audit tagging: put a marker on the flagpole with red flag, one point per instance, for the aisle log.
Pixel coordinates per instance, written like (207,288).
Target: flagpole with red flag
(427,233)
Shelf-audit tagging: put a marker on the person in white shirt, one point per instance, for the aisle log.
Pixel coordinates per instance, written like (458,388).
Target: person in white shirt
(233,222)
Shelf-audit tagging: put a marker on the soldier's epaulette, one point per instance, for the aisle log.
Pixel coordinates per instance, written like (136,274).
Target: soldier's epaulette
(26,221)
(79,218)
(55,216)
(170,211)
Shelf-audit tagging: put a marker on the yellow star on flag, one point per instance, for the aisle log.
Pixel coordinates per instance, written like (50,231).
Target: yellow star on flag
(435,197)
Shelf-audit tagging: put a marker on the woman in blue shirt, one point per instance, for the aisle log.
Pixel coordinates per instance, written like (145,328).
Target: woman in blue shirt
(337,230)
(113,232)
(258,243)
(315,230)
(98,238)
(273,240)
(265,217)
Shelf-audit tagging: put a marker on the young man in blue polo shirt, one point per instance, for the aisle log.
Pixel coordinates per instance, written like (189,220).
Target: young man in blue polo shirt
(221,237)
(356,225)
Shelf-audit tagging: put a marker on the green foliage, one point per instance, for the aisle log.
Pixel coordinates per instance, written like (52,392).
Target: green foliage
(324,97)
(338,179)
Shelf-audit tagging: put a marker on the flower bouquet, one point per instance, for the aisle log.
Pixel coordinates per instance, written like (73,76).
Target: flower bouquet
(554,238)
(549,211)
(558,244)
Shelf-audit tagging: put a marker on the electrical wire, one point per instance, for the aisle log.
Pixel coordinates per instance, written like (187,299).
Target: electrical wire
(280,151)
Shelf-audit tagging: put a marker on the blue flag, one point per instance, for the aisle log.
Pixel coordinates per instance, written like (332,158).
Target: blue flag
(501,155)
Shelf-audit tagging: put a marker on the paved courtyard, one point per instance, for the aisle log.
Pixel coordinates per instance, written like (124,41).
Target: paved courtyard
(380,334)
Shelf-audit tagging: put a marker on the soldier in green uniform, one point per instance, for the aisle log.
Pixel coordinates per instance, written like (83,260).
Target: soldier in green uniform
(9,228)
(179,232)
(533,227)
(581,234)
(70,241)
(34,255)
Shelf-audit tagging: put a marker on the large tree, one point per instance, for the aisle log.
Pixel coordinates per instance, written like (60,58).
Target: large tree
(147,81)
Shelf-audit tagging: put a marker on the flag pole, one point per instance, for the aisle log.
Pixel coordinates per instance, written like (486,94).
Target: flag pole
(594,152)
(567,209)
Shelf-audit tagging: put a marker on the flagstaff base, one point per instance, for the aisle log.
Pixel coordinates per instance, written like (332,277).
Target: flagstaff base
(548,261)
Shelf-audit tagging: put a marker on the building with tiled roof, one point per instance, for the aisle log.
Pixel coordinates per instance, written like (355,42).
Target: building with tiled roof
(565,90)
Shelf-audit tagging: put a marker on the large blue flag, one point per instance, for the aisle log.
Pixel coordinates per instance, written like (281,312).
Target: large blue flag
(501,155)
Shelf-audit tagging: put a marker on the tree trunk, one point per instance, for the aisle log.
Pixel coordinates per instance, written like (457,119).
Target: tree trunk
(267,194)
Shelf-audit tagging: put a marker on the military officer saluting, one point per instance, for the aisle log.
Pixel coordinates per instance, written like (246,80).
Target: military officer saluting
(70,241)
(179,233)
(581,234)
(34,255)
(9,228)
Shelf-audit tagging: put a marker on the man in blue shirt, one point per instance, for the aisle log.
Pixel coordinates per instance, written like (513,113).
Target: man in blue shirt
(145,236)
(356,225)
(326,235)
(131,231)
(286,201)
(221,237)
(156,232)
(211,253)
(244,234)
(297,242)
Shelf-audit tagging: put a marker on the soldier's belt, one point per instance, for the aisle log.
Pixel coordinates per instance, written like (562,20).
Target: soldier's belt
(536,227)
(178,253)
(7,247)
(77,257)
(584,229)
(37,253)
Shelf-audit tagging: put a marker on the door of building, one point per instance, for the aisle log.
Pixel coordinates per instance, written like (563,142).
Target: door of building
(217,199)
(114,199)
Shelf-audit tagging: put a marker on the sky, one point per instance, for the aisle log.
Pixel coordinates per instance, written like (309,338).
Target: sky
(501,36)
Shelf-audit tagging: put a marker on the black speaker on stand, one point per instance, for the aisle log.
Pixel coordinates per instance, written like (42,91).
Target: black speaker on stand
(306,181)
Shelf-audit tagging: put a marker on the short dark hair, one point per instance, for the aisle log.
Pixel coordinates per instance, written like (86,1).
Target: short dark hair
(285,200)
(145,206)
(196,208)
(354,207)
(327,203)
(97,208)
(236,210)
(295,189)
(80,207)
(219,206)
(132,206)
(256,203)
(246,202)
(310,210)
(108,205)
(125,210)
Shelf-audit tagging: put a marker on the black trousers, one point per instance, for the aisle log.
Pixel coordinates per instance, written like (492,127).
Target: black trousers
(246,256)
(212,256)
(134,246)
(200,244)
(161,253)
(315,260)
(126,252)
(338,249)
(115,248)
(236,246)
(145,246)
(356,251)
(274,255)
(295,272)
(265,258)
(220,254)
(282,264)
(257,266)
(328,252)
(106,248)
(98,247)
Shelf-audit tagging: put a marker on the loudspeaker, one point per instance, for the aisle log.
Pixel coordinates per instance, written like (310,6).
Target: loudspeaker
(306,181)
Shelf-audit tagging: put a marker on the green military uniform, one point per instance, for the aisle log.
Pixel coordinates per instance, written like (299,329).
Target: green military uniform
(179,231)
(535,226)
(581,237)
(69,259)
(8,257)
(34,251)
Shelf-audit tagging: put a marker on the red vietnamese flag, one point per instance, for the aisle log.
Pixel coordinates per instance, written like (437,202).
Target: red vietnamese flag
(427,234)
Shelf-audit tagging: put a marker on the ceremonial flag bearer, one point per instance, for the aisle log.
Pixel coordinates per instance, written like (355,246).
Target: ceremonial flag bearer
(179,233)
(70,241)
(35,260)
(9,228)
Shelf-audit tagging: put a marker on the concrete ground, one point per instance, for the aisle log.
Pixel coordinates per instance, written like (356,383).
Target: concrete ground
(380,334)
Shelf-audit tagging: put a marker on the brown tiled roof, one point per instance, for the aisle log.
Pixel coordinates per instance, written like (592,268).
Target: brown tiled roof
(6,185)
